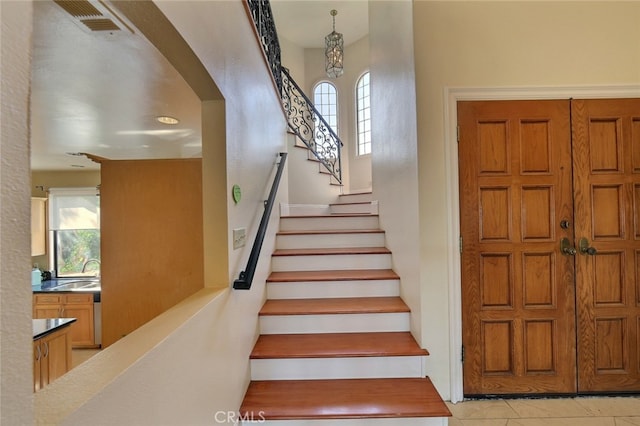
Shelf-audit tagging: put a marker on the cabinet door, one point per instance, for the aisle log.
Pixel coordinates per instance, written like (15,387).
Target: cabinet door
(80,307)
(46,311)
(46,305)
(37,366)
(56,358)
(82,329)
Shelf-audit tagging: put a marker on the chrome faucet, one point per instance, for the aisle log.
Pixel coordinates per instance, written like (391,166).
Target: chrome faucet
(84,266)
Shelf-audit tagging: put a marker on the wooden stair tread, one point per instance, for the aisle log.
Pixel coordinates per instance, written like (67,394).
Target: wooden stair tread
(337,275)
(336,345)
(332,231)
(350,305)
(351,203)
(356,193)
(343,399)
(331,251)
(328,215)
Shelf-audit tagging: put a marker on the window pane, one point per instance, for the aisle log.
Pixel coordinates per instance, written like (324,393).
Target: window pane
(325,99)
(77,252)
(364,115)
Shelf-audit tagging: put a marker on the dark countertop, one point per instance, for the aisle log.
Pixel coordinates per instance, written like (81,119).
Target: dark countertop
(58,285)
(42,327)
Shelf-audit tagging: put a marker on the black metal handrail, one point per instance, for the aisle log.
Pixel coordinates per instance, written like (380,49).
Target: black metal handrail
(310,126)
(246,277)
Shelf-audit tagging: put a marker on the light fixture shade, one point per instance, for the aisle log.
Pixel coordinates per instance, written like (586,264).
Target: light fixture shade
(334,54)
(334,51)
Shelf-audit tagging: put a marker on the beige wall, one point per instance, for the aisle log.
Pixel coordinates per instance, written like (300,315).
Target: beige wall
(498,45)
(42,180)
(16,347)
(394,146)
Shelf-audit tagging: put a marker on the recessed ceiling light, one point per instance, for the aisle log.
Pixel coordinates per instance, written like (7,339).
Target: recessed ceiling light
(79,166)
(165,119)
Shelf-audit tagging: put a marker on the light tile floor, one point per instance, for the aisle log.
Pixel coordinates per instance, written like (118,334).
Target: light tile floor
(579,411)
(78,356)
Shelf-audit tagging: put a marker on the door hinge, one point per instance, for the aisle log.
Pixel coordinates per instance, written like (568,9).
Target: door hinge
(458,133)
(460,244)
(462,354)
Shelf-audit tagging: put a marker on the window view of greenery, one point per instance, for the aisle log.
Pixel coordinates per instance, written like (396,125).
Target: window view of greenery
(74,221)
(78,252)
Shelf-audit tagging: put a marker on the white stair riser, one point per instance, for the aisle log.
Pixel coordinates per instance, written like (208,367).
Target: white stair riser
(366,208)
(304,209)
(355,198)
(359,239)
(325,223)
(338,323)
(396,421)
(329,289)
(330,262)
(337,368)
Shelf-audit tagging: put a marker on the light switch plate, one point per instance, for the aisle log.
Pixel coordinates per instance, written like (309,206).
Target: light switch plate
(239,237)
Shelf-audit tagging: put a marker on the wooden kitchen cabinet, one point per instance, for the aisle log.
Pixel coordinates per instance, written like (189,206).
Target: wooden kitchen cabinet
(38,226)
(69,305)
(51,357)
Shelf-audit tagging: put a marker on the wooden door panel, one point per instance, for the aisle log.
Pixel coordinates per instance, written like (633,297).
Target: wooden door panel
(606,141)
(518,293)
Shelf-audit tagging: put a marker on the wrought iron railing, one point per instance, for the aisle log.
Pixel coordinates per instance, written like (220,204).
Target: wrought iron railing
(302,116)
(310,126)
(266,28)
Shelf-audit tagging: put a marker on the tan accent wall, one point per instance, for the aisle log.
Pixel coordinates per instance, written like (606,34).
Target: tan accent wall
(151,240)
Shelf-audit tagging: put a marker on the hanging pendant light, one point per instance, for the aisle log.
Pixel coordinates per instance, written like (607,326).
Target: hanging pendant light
(333,51)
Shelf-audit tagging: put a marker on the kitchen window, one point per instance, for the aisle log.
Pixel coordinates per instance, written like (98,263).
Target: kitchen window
(74,223)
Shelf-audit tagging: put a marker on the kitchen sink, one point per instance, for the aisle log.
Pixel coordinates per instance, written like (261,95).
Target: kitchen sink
(79,285)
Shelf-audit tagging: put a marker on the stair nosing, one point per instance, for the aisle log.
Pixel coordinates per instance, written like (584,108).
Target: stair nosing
(334,345)
(331,231)
(332,275)
(353,203)
(335,306)
(341,251)
(347,399)
(329,215)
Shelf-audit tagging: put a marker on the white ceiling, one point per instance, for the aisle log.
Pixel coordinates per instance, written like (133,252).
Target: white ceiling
(99,92)
(306,22)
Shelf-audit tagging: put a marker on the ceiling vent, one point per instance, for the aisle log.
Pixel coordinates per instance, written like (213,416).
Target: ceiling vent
(79,8)
(95,16)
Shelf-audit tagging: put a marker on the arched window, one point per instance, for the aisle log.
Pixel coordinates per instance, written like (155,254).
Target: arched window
(325,98)
(364,114)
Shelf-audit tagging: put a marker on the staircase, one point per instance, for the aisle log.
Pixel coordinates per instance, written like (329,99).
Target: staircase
(334,345)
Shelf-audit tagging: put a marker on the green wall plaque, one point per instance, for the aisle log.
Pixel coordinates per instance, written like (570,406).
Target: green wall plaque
(237,194)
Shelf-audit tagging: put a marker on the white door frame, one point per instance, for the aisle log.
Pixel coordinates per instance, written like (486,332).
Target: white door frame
(451,96)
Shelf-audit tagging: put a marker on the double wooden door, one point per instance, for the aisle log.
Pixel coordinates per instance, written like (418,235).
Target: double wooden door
(550,224)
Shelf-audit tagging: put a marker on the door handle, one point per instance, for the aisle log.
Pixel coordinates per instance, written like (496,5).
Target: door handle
(583,244)
(565,247)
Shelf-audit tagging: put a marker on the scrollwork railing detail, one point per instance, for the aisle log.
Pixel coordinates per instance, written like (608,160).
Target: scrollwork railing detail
(302,116)
(266,28)
(310,126)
